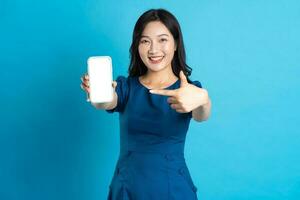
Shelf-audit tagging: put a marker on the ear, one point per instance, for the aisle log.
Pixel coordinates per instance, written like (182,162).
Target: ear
(175,49)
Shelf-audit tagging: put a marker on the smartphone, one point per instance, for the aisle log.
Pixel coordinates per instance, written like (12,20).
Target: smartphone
(100,78)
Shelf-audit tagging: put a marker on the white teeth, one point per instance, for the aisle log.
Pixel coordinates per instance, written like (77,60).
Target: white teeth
(155,58)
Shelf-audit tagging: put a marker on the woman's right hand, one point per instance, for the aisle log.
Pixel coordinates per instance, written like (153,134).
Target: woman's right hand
(85,85)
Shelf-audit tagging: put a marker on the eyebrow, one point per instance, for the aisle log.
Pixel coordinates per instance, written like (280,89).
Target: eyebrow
(157,35)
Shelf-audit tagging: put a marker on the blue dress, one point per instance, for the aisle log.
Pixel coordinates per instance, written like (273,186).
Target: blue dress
(151,163)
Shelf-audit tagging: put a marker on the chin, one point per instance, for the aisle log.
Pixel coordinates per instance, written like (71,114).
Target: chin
(155,68)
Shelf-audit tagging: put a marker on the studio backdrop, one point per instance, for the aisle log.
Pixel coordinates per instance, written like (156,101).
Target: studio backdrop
(56,146)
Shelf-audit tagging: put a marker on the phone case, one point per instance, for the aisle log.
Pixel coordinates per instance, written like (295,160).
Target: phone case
(100,78)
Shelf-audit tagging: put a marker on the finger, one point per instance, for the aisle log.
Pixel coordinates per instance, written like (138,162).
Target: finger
(114,84)
(180,111)
(183,79)
(85,84)
(83,87)
(86,89)
(172,100)
(85,77)
(85,81)
(175,106)
(164,92)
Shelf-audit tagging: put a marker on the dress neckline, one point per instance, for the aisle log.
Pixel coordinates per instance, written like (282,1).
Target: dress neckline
(139,83)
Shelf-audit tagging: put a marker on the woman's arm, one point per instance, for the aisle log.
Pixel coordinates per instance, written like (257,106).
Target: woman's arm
(202,113)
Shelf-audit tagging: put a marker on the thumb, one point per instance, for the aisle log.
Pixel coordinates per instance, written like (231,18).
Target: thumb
(183,80)
(114,84)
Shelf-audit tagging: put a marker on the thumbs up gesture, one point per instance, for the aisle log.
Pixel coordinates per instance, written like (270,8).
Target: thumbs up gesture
(186,98)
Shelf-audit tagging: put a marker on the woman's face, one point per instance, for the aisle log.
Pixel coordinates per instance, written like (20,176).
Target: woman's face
(156,46)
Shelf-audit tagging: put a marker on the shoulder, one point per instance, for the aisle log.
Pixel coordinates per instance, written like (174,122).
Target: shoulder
(196,83)
(123,81)
(125,84)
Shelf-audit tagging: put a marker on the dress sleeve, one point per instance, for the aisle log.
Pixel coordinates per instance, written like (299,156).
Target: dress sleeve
(197,83)
(122,91)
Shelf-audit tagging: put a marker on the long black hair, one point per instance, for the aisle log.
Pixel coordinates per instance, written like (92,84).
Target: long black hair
(137,67)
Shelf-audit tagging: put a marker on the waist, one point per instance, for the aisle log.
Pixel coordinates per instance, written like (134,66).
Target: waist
(160,147)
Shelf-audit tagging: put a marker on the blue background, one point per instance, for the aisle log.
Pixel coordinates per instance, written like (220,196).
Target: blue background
(55,145)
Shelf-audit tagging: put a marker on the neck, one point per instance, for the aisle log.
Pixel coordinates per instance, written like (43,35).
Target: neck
(159,77)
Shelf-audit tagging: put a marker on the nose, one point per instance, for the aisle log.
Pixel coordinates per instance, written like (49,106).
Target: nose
(153,48)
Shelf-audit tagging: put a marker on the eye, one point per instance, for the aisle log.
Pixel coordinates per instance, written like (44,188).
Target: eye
(163,40)
(144,41)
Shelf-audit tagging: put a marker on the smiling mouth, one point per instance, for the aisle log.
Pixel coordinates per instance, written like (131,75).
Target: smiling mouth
(156,59)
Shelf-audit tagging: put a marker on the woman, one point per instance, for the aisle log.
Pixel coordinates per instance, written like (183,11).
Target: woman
(155,104)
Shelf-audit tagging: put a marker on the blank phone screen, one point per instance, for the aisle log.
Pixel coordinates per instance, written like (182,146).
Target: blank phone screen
(100,78)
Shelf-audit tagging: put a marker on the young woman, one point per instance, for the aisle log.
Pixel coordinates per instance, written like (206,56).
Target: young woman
(155,104)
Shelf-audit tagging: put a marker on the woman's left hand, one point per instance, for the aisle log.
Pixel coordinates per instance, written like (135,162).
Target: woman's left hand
(186,98)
